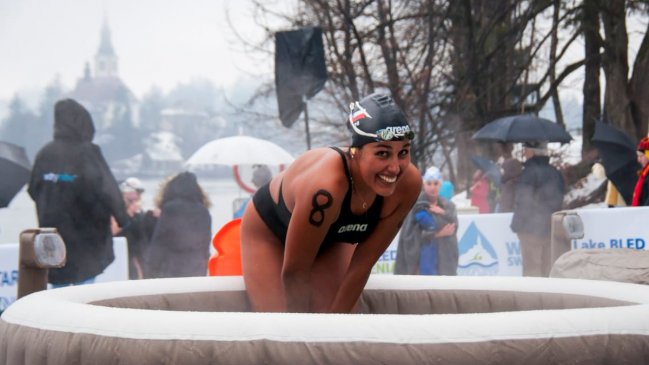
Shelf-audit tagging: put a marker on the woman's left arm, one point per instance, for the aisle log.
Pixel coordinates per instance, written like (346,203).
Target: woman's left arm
(368,252)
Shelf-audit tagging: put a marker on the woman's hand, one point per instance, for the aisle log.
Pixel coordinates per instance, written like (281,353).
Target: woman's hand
(114,227)
(447,230)
(436,209)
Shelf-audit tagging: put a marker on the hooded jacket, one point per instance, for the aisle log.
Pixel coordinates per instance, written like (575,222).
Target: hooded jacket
(180,245)
(76,193)
(539,193)
(411,238)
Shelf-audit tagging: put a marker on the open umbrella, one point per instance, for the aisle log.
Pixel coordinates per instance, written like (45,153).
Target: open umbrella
(618,153)
(522,128)
(239,150)
(14,169)
(489,167)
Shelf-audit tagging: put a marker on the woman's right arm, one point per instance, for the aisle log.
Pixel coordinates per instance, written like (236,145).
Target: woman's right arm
(317,202)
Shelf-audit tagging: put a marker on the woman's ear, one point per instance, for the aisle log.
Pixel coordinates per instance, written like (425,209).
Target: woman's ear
(353,151)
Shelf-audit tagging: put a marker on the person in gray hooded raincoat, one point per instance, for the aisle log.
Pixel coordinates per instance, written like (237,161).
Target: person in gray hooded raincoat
(427,240)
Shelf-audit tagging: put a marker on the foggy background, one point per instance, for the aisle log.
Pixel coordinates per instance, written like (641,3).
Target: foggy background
(159,43)
(184,73)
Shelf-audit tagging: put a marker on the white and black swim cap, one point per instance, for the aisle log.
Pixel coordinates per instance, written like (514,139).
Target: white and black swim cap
(377,118)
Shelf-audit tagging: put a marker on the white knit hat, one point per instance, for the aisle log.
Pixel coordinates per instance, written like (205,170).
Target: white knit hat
(132,184)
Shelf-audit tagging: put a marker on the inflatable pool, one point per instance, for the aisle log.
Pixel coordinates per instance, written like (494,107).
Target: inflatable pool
(401,320)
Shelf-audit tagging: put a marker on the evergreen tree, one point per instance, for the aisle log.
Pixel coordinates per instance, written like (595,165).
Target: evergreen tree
(43,131)
(152,104)
(16,127)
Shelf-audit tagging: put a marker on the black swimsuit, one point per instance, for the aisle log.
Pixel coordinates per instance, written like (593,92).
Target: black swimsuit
(349,228)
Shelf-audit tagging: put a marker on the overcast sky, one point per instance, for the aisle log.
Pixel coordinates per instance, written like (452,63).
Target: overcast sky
(158,42)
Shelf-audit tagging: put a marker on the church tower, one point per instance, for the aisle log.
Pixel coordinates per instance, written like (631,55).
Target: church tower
(105,59)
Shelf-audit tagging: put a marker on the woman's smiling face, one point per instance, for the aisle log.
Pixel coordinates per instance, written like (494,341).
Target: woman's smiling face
(382,163)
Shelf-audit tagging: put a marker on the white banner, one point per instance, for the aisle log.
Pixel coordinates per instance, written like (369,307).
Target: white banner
(614,228)
(487,247)
(116,271)
(8,274)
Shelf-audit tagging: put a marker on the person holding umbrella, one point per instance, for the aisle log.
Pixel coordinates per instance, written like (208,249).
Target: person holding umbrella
(311,236)
(539,193)
(485,187)
(619,155)
(641,191)
(15,170)
(511,170)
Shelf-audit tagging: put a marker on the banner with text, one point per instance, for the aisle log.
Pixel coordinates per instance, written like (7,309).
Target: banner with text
(118,270)
(613,228)
(487,247)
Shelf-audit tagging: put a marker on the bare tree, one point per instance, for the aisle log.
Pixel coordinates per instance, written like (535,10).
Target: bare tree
(455,65)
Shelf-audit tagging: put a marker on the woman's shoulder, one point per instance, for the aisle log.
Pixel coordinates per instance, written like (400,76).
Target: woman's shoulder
(411,180)
(322,154)
(314,171)
(318,166)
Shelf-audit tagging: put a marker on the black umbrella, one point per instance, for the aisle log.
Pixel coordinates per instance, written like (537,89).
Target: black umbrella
(618,153)
(522,128)
(489,167)
(14,169)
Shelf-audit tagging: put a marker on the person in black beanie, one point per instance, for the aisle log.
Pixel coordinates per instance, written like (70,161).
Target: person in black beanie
(311,236)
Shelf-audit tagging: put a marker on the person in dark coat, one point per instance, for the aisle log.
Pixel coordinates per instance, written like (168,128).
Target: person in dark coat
(76,193)
(180,245)
(641,190)
(427,240)
(137,234)
(539,193)
(512,169)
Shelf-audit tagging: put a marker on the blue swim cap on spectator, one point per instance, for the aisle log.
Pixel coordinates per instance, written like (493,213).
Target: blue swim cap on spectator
(377,118)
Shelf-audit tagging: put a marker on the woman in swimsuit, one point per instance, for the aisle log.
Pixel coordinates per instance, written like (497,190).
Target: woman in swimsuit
(314,232)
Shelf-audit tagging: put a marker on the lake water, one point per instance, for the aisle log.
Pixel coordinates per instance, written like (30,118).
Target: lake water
(21,213)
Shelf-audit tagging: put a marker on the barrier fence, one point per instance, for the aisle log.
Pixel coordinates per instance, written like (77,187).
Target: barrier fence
(487,246)
(116,271)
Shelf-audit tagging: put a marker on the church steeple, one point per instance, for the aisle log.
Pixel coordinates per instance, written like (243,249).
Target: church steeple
(105,59)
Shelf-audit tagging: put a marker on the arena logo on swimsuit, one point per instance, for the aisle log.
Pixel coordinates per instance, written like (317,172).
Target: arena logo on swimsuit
(353,228)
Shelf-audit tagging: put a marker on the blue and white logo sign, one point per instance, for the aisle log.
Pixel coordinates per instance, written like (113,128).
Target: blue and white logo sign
(477,255)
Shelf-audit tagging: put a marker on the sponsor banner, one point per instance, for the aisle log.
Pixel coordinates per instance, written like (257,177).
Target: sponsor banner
(385,264)
(8,274)
(116,271)
(613,228)
(488,246)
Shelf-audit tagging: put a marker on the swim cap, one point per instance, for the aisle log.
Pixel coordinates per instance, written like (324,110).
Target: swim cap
(377,118)
(432,174)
